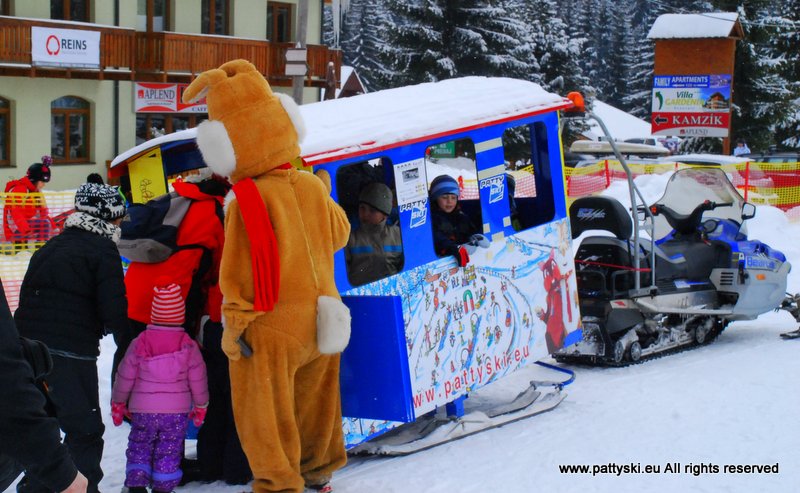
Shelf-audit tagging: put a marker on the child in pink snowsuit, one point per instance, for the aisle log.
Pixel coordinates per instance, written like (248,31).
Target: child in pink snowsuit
(160,381)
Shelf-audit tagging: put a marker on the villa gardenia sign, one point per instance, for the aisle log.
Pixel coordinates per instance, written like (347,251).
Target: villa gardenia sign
(691,105)
(65,48)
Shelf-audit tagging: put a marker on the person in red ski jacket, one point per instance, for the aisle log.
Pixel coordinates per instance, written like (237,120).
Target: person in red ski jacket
(25,214)
(194,266)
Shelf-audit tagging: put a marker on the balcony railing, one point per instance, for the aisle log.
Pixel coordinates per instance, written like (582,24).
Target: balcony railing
(158,56)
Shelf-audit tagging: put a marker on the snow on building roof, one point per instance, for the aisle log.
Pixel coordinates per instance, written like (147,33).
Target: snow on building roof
(621,125)
(705,25)
(371,121)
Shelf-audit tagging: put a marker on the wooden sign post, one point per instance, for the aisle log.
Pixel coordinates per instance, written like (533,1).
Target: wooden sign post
(693,74)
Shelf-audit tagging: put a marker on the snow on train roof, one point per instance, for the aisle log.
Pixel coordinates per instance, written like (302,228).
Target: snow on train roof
(370,121)
(373,120)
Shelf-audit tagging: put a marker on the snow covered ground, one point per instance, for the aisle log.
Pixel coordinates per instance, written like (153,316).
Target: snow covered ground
(734,402)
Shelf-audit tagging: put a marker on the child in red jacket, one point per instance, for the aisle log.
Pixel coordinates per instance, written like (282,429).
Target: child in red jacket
(25,214)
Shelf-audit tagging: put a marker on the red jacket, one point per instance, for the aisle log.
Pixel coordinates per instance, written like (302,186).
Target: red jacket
(202,226)
(22,203)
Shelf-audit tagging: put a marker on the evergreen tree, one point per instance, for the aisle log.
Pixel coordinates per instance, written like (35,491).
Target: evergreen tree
(638,100)
(362,42)
(438,39)
(619,57)
(488,41)
(757,87)
(787,45)
(416,48)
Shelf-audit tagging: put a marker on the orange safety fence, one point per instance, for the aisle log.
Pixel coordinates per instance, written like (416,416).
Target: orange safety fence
(776,184)
(44,214)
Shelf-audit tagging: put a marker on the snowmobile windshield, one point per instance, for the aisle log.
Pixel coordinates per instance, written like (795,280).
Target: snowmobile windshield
(690,187)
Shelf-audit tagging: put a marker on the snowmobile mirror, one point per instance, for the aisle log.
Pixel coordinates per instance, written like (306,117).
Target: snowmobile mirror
(748,211)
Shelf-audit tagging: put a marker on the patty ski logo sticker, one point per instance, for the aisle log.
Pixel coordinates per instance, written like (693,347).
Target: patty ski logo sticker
(496,188)
(419,212)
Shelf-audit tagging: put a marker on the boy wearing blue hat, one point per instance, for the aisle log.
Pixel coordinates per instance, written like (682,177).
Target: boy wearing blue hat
(451,227)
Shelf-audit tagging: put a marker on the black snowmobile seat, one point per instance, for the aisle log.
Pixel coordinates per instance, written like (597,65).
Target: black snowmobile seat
(600,213)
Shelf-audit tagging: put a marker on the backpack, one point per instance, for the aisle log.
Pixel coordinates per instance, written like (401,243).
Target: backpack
(150,230)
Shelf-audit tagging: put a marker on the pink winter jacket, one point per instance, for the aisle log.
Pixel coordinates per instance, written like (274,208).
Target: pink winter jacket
(162,372)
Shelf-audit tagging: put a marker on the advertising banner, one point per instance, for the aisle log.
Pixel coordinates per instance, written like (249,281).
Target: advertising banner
(65,47)
(155,97)
(691,105)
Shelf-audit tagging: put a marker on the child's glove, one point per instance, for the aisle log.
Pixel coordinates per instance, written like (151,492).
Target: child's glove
(198,414)
(118,411)
(462,256)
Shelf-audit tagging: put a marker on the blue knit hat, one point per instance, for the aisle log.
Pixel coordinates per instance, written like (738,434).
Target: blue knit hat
(442,185)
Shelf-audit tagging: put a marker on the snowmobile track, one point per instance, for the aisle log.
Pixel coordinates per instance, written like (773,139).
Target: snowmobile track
(593,361)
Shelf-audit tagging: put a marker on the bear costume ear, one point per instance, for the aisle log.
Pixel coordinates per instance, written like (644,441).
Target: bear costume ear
(199,87)
(216,147)
(294,115)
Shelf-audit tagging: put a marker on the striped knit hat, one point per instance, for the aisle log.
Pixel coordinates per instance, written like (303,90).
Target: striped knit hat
(168,308)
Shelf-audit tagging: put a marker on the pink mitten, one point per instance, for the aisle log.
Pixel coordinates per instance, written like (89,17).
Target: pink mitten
(118,411)
(198,415)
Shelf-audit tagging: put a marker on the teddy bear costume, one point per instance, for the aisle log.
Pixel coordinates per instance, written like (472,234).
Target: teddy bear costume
(273,275)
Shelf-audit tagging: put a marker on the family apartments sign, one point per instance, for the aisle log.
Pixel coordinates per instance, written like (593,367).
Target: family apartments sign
(70,48)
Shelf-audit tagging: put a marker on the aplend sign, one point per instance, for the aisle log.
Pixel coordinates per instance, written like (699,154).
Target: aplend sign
(164,98)
(691,105)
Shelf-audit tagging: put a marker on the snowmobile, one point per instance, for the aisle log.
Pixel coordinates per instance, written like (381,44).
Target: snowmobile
(680,287)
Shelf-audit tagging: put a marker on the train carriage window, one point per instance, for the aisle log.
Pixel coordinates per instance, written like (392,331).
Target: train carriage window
(453,193)
(366,192)
(528,179)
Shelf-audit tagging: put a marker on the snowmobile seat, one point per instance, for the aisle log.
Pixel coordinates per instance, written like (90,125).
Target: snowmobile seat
(600,213)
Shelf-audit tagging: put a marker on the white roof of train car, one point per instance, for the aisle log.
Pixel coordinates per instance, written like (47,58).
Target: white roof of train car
(370,121)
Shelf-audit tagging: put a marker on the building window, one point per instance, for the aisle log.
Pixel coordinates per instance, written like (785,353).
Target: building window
(70,10)
(279,22)
(152,125)
(69,130)
(153,15)
(5,7)
(5,132)
(215,17)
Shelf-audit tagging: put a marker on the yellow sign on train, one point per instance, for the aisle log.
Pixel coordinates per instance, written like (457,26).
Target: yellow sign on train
(147,177)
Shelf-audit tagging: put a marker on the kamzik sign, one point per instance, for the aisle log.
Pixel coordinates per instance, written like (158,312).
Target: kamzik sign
(65,47)
(691,105)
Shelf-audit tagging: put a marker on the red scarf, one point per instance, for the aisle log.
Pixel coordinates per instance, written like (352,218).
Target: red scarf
(263,245)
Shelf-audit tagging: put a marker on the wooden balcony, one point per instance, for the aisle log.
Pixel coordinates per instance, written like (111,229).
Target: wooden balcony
(126,54)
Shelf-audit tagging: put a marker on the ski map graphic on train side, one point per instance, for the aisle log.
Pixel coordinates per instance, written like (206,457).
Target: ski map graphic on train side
(466,328)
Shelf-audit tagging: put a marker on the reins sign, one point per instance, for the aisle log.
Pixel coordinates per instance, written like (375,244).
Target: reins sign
(65,47)
(691,105)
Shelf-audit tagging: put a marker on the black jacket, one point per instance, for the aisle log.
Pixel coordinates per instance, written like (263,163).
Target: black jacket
(27,434)
(73,293)
(450,230)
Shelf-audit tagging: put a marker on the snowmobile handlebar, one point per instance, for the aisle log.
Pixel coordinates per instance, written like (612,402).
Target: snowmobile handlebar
(686,223)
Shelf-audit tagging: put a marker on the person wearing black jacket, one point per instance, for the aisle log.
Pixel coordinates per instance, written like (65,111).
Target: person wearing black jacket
(452,228)
(73,294)
(29,439)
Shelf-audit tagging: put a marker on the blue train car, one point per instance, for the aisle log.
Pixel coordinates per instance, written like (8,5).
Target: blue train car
(433,332)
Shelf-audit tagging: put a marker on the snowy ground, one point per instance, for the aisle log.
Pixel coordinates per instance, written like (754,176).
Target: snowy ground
(734,402)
